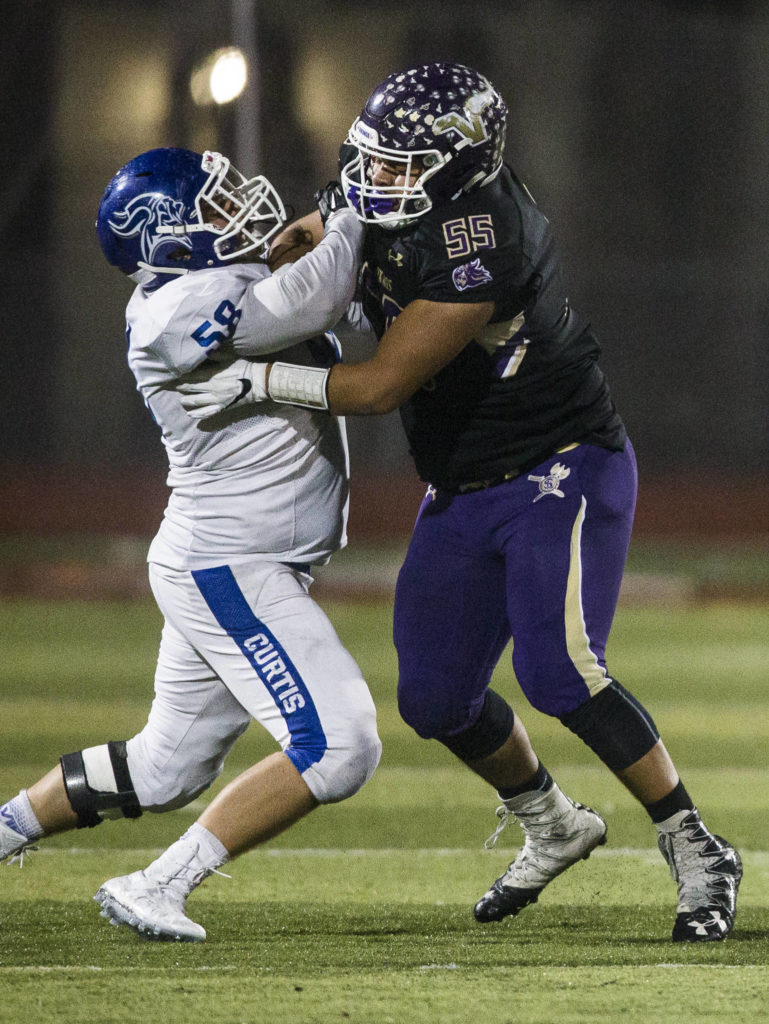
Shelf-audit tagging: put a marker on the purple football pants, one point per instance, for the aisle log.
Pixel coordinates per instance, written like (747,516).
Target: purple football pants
(539,559)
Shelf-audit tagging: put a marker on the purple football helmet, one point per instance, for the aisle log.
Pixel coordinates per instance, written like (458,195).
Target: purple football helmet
(170,211)
(442,124)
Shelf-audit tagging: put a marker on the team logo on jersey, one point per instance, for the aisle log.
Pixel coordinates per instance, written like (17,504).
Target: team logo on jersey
(144,215)
(550,484)
(470,275)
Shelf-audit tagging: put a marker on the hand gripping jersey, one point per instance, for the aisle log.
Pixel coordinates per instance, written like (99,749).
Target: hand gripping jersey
(271,480)
(530,383)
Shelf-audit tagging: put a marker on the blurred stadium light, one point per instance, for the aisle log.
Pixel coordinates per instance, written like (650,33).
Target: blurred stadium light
(221,77)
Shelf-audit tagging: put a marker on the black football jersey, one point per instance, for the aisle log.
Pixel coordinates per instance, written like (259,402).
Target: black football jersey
(530,383)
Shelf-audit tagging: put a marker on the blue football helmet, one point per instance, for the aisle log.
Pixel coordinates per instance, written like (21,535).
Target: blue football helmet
(442,124)
(170,211)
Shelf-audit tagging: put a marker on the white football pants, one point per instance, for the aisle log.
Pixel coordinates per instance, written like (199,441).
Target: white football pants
(241,642)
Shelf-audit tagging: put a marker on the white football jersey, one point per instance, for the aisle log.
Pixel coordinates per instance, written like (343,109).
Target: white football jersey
(269,480)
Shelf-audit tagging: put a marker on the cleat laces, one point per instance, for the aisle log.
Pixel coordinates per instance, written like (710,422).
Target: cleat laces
(22,853)
(180,877)
(506,817)
(553,840)
(557,833)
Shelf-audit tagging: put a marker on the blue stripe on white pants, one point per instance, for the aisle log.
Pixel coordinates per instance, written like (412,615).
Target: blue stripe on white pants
(270,662)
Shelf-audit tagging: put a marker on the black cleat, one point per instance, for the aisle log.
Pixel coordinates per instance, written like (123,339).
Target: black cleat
(503,901)
(708,871)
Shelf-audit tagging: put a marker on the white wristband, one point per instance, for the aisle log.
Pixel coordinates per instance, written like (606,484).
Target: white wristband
(298,385)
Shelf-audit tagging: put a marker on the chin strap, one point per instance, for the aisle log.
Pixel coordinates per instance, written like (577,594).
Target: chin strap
(147,275)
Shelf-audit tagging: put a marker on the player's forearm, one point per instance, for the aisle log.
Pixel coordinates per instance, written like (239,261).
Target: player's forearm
(357,389)
(343,389)
(307,298)
(423,339)
(311,224)
(416,346)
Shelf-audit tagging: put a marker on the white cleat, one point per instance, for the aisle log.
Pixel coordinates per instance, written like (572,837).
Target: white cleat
(13,844)
(558,833)
(152,910)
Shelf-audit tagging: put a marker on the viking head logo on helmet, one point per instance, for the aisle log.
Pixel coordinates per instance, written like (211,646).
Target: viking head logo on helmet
(144,215)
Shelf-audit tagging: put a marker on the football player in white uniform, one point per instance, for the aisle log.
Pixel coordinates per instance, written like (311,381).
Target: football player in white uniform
(256,500)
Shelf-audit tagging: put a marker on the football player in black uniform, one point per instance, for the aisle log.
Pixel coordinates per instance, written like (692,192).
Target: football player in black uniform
(525,526)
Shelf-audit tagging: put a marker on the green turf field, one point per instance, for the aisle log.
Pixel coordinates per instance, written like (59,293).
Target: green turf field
(362,913)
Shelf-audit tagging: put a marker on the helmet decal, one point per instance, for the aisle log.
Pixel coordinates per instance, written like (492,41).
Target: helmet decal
(469,123)
(143,216)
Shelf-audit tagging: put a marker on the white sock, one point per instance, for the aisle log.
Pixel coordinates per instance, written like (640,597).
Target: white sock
(215,853)
(188,861)
(18,814)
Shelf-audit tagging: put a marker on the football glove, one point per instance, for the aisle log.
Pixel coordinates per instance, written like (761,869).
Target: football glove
(329,200)
(207,391)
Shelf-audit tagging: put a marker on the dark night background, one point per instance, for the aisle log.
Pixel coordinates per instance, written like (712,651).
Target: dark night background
(640,128)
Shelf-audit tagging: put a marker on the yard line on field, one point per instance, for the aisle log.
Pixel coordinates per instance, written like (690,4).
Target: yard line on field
(645,853)
(727,967)
(186,969)
(92,968)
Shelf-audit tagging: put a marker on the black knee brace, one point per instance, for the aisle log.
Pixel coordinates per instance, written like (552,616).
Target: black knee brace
(489,732)
(99,785)
(615,726)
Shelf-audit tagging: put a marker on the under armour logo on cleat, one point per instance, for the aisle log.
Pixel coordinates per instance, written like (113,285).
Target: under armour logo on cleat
(703,927)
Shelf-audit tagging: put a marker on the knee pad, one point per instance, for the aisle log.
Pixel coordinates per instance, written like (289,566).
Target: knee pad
(489,732)
(98,784)
(342,771)
(615,726)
